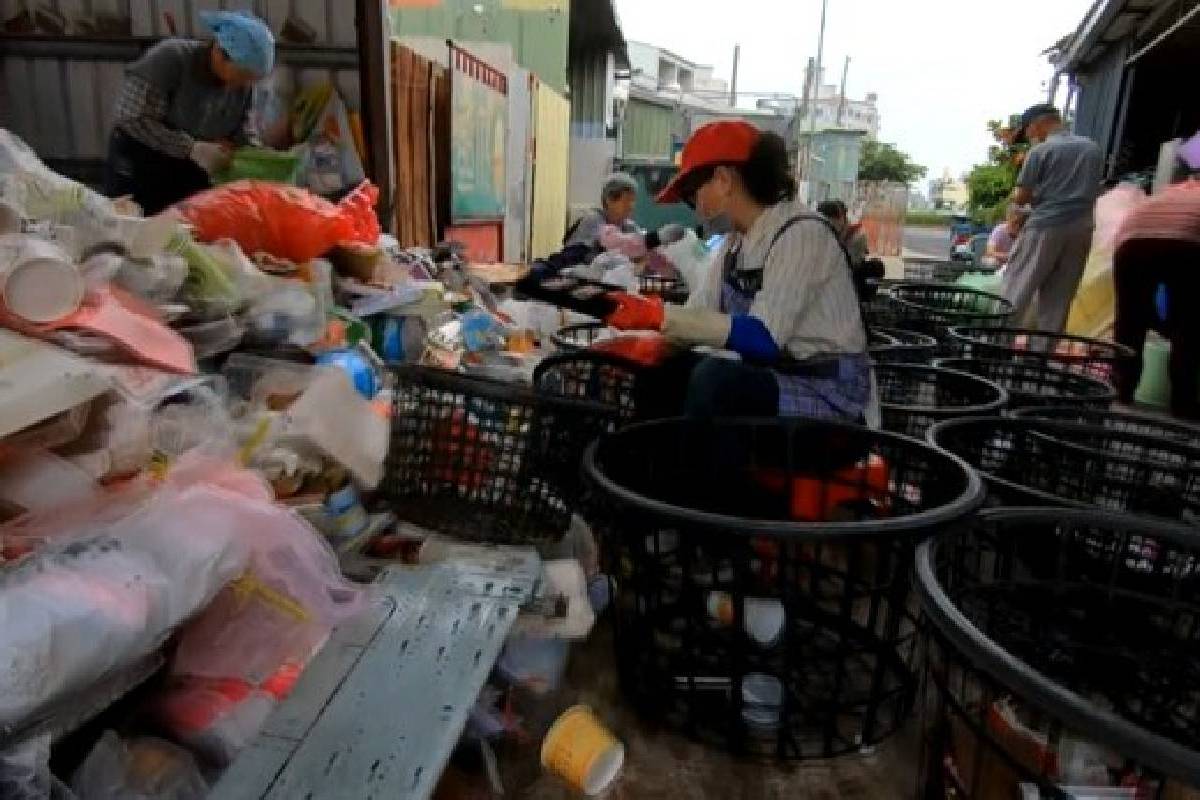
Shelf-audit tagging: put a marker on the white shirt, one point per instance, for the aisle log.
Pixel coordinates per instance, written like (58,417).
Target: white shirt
(807,301)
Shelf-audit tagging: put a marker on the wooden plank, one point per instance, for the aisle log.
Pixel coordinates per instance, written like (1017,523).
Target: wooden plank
(342,28)
(441,141)
(142,15)
(16,113)
(49,96)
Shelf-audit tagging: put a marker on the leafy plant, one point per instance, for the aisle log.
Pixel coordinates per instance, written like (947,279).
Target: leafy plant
(991,184)
(883,162)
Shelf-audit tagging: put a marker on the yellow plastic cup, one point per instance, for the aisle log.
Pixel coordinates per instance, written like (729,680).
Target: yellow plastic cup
(581,751)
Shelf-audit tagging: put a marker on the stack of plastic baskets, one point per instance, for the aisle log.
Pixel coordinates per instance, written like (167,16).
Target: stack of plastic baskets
(1062,657)
(912,397)
(898,346)
(881,310)
(934,308)
(939,270)
(484,460)
(1037,462)
(1153,427)
(596,377)
(1096,358)
(581,336)
(762,572)
(1031,384)
(671,289)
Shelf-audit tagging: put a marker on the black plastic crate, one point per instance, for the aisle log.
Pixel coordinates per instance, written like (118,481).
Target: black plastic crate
(912,398)
(1035,462)
(1097,358)
(762,574)
(595,377)
(671,289)
(898,346)
(1061,652)
(486,461)
(933,308)
(940,270)
(581,336)
(1124,422)
(1030,384)
(881,310)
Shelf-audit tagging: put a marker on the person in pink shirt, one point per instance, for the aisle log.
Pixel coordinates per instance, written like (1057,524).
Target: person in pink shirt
(1159,244)
(1004,236)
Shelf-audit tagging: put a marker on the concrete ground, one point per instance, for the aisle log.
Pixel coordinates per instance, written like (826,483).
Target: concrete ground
(661,765)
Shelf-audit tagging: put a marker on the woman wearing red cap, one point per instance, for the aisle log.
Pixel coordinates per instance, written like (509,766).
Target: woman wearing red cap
(780,293)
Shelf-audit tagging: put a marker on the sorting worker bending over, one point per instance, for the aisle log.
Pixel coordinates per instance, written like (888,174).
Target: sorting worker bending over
(1061,178)
(183,107)
(1158,244)
(779,292)
(613,222)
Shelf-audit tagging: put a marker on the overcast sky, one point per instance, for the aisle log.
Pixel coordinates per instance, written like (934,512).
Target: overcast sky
(942,68)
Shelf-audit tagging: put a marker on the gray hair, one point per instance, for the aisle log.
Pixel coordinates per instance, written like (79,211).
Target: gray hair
(617,184)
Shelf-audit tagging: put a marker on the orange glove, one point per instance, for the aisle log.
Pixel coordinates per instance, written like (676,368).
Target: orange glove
(635,313)
(646,350)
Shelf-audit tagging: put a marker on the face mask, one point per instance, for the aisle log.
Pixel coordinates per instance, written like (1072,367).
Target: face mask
(717,225)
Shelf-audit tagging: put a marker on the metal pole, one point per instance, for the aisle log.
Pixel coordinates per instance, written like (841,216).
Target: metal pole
(842,99)
(816,95)
(737,56)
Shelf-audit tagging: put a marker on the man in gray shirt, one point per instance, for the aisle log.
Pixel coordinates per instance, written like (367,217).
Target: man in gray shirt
(1061,179)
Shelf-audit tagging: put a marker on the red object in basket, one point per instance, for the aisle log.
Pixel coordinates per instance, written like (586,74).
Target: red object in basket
(820,499)
(460,456)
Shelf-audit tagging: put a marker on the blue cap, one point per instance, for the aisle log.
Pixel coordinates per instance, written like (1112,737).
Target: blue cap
(245,38)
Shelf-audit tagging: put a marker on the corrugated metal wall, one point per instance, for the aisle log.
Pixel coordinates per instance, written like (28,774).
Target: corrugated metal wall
(591,96)
(62,106)
(647,130)
(1100,98)
(537,29)
(551,166)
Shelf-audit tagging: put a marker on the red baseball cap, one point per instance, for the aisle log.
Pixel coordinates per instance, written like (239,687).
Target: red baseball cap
(727,142)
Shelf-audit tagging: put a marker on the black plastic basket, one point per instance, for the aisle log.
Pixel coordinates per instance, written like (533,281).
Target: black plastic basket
(671,289)
(933,308)
(486,461)
(1154,427)
(881,310)
(1097,358)
(1062,652)
(581,336)
(1035,462)
(595,377)
(941,271)
(762,573)
(1029,384)
(898,346)
(912,398)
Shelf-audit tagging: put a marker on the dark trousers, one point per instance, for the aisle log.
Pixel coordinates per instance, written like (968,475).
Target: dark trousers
(1139,268)
(693,385)
(154,180)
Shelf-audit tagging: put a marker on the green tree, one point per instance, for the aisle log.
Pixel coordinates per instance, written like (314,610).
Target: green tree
(991,184)
(883,162)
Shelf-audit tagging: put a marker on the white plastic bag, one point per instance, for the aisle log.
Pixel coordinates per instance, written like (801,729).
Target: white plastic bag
(691,259)
(332,164)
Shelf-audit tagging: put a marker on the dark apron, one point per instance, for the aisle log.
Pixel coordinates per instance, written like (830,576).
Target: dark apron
(154,180)
(833,387)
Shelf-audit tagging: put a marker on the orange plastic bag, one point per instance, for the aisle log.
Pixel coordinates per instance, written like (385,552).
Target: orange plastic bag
(285,221)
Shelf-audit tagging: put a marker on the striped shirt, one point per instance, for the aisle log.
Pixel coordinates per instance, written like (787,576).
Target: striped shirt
(1173,213)
(807,300)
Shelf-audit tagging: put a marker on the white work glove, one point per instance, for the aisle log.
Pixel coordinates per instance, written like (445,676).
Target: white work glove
(211,157)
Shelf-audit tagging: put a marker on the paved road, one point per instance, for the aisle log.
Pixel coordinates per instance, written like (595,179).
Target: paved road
(934,242)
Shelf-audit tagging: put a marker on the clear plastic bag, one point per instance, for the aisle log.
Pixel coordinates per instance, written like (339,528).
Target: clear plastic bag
(139,769)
